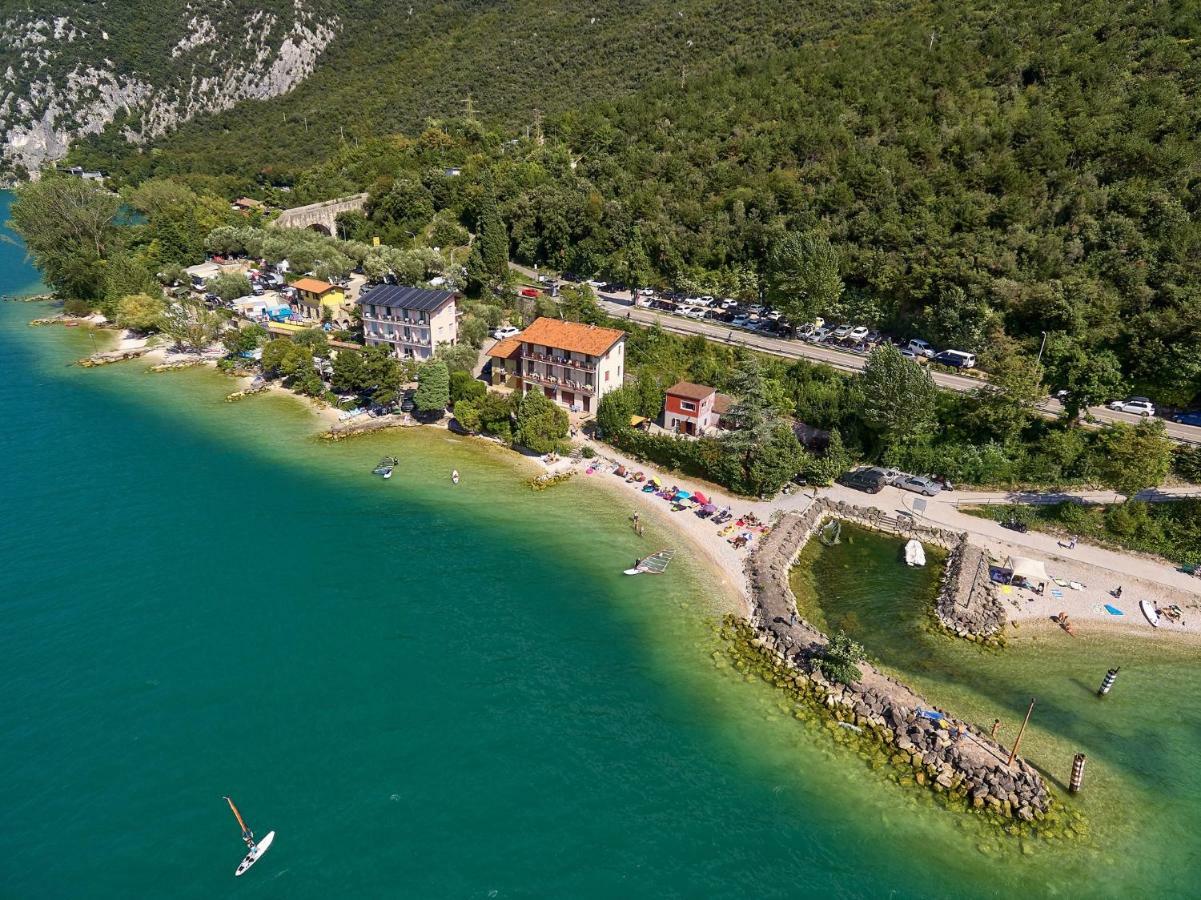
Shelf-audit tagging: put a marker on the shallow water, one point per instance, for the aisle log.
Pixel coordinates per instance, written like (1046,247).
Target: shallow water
(1142,787)
(440,691)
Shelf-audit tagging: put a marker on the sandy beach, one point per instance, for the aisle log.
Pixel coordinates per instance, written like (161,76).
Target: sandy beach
(1096,571)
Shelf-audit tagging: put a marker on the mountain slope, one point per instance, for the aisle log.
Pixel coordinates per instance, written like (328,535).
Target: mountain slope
(141,68)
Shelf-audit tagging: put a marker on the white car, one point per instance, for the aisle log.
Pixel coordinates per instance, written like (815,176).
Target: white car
(920,348)
(1139,406)
(858,333)
(819,334)
(841,331)
(506,331)
(693,312)
(729,304)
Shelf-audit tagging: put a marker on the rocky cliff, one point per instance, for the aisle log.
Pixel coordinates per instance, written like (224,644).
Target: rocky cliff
(147,69)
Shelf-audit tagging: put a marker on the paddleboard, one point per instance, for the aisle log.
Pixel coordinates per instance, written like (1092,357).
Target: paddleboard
(256,854)
(1150,612)
(632,572)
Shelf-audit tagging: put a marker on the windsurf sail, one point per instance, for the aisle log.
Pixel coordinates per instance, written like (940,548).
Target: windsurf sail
(656,563)
(247,834)
(830,533)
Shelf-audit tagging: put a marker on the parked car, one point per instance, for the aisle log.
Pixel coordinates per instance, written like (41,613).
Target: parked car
(841,332)
(819,334)
(920,348)
(729,304)
(957,358)
(891,476)
(741,322)
(920,485)
(505,331)
(1139,406)
(1188,418)
(868,480)
(858,333)
(909,354)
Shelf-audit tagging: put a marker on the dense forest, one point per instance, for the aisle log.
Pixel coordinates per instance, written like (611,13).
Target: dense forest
(977,171)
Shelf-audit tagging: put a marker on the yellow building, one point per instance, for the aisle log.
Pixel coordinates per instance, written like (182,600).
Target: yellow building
(317,301)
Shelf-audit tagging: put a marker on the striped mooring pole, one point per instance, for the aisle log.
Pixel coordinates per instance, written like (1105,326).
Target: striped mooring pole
(1077,774)
(1110,677)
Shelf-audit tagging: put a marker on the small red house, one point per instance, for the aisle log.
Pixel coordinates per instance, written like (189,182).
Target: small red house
(688,409)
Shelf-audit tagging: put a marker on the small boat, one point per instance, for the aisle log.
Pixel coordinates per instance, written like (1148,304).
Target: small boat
(655,564)
(1150,612)
(454,476)
(257,849)
(915,554)
(385,466)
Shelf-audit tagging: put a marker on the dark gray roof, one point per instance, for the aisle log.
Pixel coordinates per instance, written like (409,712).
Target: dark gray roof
(400,297)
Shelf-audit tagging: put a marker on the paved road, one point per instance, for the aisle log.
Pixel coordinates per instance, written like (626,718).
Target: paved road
(618,305)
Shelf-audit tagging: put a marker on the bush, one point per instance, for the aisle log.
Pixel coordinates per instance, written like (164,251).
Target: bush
(1187,463)
(587,452)
(840,659)
(77,307)
(464,387)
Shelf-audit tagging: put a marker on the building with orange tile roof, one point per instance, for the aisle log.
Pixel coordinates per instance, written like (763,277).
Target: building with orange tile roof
(320,301)
(506,362)
(689,409)
(571,363)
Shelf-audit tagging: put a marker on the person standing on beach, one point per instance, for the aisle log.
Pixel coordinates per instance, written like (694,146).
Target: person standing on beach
(1072,543)
(996,724)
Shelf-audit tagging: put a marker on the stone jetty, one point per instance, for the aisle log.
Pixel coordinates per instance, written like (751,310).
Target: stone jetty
(945,753)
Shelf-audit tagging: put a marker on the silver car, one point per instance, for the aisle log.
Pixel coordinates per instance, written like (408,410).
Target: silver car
(920,485)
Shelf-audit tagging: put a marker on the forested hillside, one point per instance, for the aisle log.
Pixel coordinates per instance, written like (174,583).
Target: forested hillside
(976,171)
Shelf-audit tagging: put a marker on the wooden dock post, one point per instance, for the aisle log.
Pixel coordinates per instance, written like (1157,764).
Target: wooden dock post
(1110,677)
(1077,774)
(1021,731)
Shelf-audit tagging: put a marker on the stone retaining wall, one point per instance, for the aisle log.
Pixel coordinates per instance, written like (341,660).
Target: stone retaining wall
(952,756)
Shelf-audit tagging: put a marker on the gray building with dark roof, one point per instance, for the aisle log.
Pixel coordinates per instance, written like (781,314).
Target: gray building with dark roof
(412,321)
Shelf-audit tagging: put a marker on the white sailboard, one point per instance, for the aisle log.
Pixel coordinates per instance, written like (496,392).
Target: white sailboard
(257,849)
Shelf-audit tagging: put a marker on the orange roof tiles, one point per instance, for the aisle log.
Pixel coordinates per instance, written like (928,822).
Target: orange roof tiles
(506,349)
(690,391)
(312,285)
(572,336)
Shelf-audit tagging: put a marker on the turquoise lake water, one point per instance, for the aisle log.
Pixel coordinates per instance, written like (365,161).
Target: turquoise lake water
(425,690)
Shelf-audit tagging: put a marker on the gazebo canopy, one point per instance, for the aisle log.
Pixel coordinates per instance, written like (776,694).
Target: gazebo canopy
(1030,569)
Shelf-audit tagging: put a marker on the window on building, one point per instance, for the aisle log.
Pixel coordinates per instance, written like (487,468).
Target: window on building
(687,406)
(606,374)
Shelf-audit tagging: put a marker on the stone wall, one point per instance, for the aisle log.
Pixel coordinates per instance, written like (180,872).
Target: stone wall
(950,755)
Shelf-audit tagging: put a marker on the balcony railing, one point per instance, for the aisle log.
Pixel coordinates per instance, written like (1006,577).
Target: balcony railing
(558,360)
(370,317)
(401,339)
(565,383)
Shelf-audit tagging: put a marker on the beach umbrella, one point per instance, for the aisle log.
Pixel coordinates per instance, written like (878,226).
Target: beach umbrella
(655,481)
(682,495)
(700,498)
(709,508)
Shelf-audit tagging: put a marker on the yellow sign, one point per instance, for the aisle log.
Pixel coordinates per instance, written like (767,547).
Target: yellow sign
(375,241)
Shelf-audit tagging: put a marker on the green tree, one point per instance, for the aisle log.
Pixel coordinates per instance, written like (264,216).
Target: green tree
(1002,408)
(315,340)
(496,414)
(191,324)
(761,444)
(614,412)
(458,357)
(957,320)
(464,387)
(1132,458)
(493,240)
(897,397)
(433,387)
(1089,376)
(244,339)
(381,375)
(229,285)
(467,414)
(542,425)
(70,228)
(803,278)
(347,372)
(839,660)
(126,273)
(824,468)
(141,312)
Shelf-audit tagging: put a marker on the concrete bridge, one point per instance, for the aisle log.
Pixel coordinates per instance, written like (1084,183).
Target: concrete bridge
(320,216)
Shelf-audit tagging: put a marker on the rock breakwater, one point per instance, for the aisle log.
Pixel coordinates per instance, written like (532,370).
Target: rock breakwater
(948,755)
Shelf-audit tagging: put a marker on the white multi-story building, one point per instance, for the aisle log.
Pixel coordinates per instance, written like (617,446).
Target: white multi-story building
(573,364)
(412,321)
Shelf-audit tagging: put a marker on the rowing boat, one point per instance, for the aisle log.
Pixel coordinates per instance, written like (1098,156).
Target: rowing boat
(1150,612)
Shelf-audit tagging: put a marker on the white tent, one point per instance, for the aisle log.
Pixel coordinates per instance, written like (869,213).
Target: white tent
(1032,570)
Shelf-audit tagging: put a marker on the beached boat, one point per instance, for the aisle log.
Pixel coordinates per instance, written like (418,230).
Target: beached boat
(257,848)
(1150,612)
(454,476)
(915,554)
(655,564)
